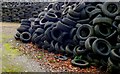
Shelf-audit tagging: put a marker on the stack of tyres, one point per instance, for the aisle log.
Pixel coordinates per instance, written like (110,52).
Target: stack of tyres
(15,11)
(87,32)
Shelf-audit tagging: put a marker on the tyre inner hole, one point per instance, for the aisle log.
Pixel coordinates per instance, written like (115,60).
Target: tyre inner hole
(52,15)
(103,29)
(80,61)
(90,9)
(84,32)
(112,8)
(26,36)
(43,20)
(102,47)
(57,33)
(71,47)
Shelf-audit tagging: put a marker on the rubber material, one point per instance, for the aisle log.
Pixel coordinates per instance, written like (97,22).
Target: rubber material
(101,47)
(25,37)
(84,31)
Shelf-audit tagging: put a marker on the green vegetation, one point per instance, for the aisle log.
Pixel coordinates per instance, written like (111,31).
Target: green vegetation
(9,53)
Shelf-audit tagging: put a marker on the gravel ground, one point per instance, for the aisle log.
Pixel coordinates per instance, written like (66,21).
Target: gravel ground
(34,59)
(25,61)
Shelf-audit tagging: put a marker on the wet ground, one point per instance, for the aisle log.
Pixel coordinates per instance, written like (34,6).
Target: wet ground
(20,57)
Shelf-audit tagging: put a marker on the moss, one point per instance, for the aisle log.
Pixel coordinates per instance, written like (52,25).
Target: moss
(8,55)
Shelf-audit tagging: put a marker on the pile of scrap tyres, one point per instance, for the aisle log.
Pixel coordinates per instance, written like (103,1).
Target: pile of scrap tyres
(15,11)
(88,33)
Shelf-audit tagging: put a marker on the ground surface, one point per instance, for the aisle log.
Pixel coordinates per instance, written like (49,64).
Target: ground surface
(20,57)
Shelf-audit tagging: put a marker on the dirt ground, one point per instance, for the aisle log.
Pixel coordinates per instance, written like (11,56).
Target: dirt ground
(20,57)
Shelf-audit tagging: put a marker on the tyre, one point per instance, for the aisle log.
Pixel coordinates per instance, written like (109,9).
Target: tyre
(79,50)
(38,38)
(89,9)
(33,37)
(69,22)
(115,55)
(117,18)
(48,24)
(23,28)
(39,31)
(89,42)
(84,21)
(51,17)
(111,9)
(63,27)
(56,33)
(79,7)
(48,34)
(84,31)
(69,49)
(72,33)
(94,13)
(57,47)
(102,30)
(71,17)
(73,13)
(80,63)
(63,37)
(104,20)
(25,37)
(101,47)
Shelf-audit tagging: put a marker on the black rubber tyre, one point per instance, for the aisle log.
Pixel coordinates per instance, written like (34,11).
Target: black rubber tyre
(25,37)
(72,33)
(94,13)
(51,17)
(101,47)
(102,30)
(69,49)
(65,11)
(105,20)
(73,13)
(84,31)
(16,37)
(38,38)
(115,55)
(33,37)
(23,28)
(56,33)
(80,63)
(63,27)
(62,48)
(89,9)
(113,65)
(50,6)
(79,7)
(69,22)
(48,34)
(48,24)
(57,47)
(31,31)
(39,31)
(118,38)
(41,15)
(79,50)
(117,18)
(63,37)
(52,46)
(111,9)
(25,22)
(43,21)
(71,17)
(34,27)
(89,42)
(84,21)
